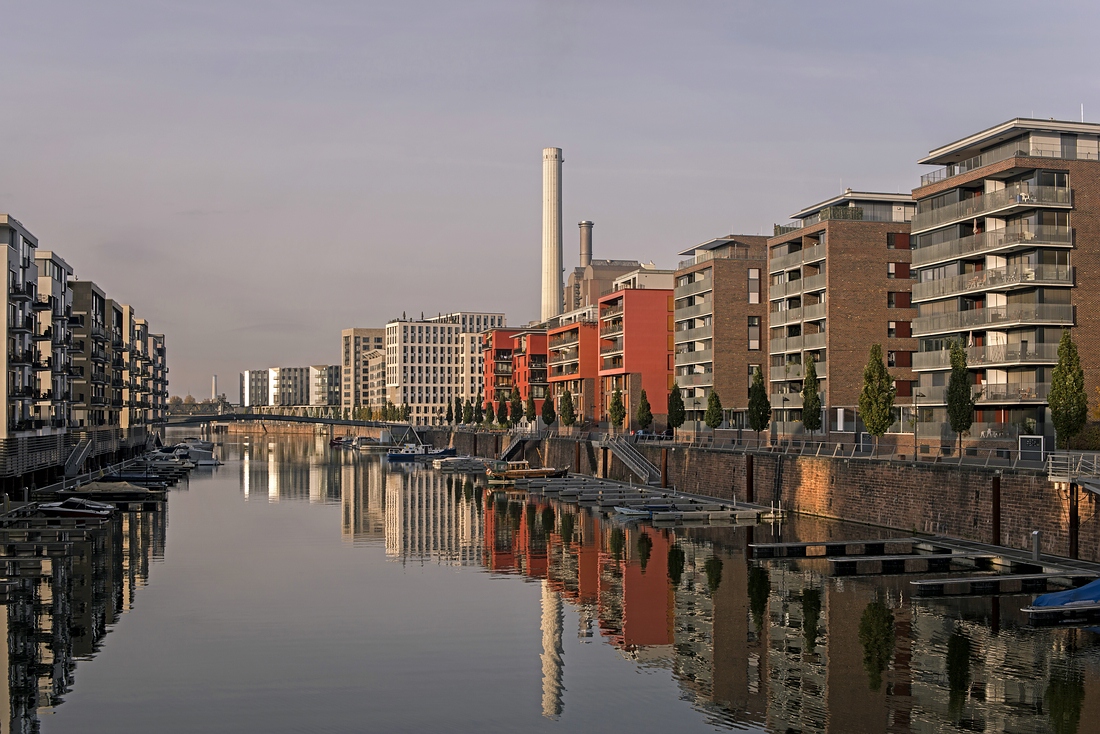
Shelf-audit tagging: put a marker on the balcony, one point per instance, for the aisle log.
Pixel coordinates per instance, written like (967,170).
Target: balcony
(567,355)
(994,279)
(46,335)
(807,255)
(611,363)
(611,329)
(786,401)
(797,343)
(989,393)
(692,289)
(615,348)
(1019,148)
(606,313)
(99,332)
(21,358)
(699,356)
(1019,314)
(813,312)
(996,355)
(1015,196)
(565,340)
(733,253)
(97,400)
(43,303)
(21,291)
(690,312)
(705,379)
(997,240)
(22,326)
(699,333)
(795,371)
(801,285)
(502,369)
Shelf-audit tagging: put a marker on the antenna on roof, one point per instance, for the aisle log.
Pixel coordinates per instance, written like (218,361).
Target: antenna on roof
(1082,112)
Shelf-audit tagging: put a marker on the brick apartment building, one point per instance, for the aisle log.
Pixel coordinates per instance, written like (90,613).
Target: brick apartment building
(719,301)
(1001,231)
(529,368)
(636,342)
(839,280)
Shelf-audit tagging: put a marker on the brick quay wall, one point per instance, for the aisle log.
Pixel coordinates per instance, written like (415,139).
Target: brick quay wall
(922,497)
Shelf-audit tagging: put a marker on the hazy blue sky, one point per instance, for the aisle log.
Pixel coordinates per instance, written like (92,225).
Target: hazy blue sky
(255,176)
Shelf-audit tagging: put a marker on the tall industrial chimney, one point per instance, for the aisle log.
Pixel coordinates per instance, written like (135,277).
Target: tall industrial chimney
(552,291)
(586,243)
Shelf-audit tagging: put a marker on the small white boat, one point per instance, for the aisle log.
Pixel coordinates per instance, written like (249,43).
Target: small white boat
(631,511)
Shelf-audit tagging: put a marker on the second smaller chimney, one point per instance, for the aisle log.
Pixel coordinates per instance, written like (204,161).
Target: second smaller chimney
(586,243)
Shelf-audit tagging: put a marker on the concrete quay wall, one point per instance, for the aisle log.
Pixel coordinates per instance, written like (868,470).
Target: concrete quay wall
(925,497)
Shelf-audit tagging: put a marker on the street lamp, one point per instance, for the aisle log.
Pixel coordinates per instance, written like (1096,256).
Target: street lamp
(916,394)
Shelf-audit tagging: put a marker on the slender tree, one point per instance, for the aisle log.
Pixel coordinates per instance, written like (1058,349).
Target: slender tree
(876,400)
(450,417)
(458,409)
(811,399)
(516,406)
(960,395)
(548,414)
(502,413)
(713,416)
(479,410)
(675,407)
(1069,403)
(644,414)
(468,412)
(406,412)
(760,408)
(568,414)
(617,411)
(490,413)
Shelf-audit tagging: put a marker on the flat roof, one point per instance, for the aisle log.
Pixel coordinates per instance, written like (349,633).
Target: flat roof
(971,145)
(850,195)
(733,239)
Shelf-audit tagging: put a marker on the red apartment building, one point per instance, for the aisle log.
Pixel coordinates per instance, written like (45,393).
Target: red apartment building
(529,369)
(497,346)
(574,359)
(636,321)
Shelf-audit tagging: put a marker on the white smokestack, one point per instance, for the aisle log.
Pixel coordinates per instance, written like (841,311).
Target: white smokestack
(552,291)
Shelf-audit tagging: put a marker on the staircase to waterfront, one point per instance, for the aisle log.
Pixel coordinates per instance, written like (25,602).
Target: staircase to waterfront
(77,457)
(1078,468)
(517,441)
(633,459)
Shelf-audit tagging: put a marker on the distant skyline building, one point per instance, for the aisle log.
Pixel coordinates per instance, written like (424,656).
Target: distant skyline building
(354,346)
(324,384)
(552,297)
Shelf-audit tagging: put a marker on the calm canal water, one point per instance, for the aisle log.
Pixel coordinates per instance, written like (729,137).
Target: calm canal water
(300,588)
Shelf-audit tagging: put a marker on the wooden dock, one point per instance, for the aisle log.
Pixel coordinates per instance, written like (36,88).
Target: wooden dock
(997,584)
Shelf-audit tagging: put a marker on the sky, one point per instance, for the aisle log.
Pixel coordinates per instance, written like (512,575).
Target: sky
(256,176)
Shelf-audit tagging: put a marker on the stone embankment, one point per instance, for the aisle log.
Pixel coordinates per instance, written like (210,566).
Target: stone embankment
(984,504)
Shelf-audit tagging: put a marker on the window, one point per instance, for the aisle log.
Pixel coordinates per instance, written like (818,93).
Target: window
(891,270)
(754,285)
(891,329)
(897,300)
(891,359)
(897,241)
(754,333)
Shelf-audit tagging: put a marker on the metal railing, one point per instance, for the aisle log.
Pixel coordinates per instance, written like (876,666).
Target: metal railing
(1026,313)
(992,241)
(1021,148)
(989,356)
(1012,195)
(689,312)
(729,253)
(700,286)
(699,333)
(794,259)
(696,357)
(994,278)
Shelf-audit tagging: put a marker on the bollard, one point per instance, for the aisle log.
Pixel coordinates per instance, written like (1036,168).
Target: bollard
(1035,540)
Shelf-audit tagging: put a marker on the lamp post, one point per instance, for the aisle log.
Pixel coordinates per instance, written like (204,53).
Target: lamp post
(916,395)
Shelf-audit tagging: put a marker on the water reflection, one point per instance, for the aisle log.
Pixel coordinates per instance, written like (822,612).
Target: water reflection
(781,646)
(63,599)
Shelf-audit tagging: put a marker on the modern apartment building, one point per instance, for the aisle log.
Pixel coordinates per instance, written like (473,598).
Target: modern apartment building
(23,358)
(429,362)
(839,281)
(497,346)
(324,384)
(54,305)
(253,388)
(636,341)
(376,379)
(719,302)
(354,345)
(1001,229)
(529,369)
(574,361)
(288,386)
(159,383)
(91,379)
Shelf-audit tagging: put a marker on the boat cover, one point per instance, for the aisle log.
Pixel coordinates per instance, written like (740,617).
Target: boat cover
(1087,594)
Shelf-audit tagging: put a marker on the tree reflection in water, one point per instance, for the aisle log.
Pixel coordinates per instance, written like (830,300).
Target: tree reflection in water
(1064,696)
(567,525)
(811,611)
(876,634)
(759,588)
(713,567)
(958,672)
(645,547)
(617,543)
(676,559)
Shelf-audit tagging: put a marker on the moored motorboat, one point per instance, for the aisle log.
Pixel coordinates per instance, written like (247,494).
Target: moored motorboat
(631,511)
(418,452)
(503,472)
(76,507)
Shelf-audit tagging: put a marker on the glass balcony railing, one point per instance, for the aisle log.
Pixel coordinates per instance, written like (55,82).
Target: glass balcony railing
(1015,195)
(1016,276)
(700,356)
(611,329)
(1023,148)
(797,343)
(993,355)
(700,286)
(989,393)
(1021,313)
(993,241)
(794,259)
(796,371)
(689,312)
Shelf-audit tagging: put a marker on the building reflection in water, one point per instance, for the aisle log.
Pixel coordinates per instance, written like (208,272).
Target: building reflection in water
(67,599)
(781,646)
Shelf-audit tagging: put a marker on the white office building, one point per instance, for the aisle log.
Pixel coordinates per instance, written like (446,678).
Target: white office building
(288,386)
(430,362)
